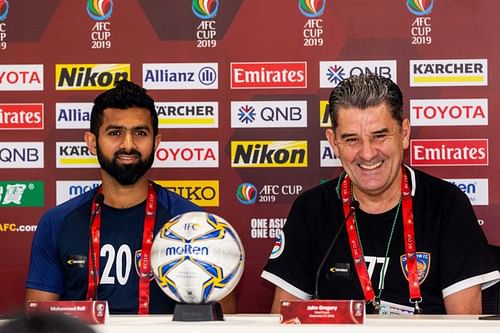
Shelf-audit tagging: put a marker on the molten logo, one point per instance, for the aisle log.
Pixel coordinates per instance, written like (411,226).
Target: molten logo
(186,250)
(312,8)
(473,152)
(268,154)
(420,7)
(205,9)
(99,10)
(252,75)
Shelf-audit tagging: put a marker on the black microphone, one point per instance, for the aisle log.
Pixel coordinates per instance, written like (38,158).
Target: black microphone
(352,208)
(99,200)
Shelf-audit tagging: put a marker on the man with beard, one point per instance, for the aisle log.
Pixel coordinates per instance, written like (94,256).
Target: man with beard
(115,223)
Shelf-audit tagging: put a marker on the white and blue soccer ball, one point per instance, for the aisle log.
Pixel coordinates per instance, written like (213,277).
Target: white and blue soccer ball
(197,257)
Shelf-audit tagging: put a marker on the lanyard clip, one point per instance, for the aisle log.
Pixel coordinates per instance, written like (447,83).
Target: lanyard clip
(415,302)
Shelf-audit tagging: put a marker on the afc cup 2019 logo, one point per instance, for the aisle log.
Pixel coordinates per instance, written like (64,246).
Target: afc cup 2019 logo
(420,7)
(246,193)
(4,9)
(312,8)
(99,10)
(205,9)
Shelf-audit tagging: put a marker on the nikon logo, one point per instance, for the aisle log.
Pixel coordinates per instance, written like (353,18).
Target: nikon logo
(268,154)
(90,76)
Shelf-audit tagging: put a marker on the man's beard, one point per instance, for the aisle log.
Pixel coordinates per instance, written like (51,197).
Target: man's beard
(125,174)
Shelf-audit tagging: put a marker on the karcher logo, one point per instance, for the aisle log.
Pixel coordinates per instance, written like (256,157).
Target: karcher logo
(269,154)
(204,193)
(450,72)
(90,76)
(74,155)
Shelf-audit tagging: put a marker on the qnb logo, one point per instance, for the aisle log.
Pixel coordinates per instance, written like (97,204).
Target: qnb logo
(246,193)
(261,114)
(333,72)
(205,9)
(21,155)
(4,9)
(273,154)
(246,114)
(473,152)
(99,10)
(90,76)
(312,8)
(186,250)
(420,7)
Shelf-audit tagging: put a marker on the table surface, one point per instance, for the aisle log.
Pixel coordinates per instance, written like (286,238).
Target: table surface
(243,323)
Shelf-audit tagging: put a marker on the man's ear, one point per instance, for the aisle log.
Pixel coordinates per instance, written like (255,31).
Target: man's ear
(91,141)
(157,141)
(330,136)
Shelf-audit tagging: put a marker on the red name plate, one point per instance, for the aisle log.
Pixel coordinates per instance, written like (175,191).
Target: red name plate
(323,312)
(91,312)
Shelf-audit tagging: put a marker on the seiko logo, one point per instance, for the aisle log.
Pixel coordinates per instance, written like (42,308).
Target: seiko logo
(255,154)
(180,76)
(21,77)
(188,115)
(457,152)
(449,112)
(187,154)
(90,76)
(204,193)
(21,155)
(264,75)
(261,114)
(454,72)
(21,116)
(332,72)
(74,155)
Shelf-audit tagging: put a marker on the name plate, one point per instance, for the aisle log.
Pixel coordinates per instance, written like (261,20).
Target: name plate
(323,312)
(90,312)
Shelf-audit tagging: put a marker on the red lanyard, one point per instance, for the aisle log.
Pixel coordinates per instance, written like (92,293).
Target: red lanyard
(147,242)
(409,236)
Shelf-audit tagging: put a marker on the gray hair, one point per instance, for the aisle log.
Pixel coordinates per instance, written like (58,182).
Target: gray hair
(364,91)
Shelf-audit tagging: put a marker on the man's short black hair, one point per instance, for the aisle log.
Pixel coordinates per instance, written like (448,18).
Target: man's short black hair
(124,95)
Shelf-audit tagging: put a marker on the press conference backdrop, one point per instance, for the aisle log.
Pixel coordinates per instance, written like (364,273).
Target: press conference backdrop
(241,88)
